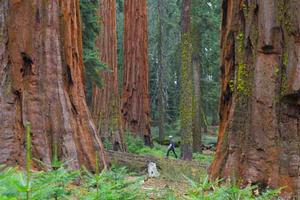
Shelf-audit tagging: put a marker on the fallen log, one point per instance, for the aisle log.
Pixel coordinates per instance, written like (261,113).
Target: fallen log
(169,168)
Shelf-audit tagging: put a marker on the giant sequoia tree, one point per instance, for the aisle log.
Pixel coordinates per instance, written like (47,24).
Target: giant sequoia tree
(41,75)
(259,131)
(106,104)
(135,97)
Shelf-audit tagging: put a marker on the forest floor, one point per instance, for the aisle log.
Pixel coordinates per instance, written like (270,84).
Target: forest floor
(178,180)
(175,178)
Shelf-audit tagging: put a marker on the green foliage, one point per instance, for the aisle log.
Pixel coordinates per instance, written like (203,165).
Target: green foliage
(206,22)
(91,29)
(113,186)
(170,36)
(54,184)
(206,190)
(173,128)
(12,184)
(61,184)
(134,144)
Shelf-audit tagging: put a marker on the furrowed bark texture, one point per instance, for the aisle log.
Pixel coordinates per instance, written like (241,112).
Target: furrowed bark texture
(106,103)
(135,97)
(41,76)
(186,86)
(259,130)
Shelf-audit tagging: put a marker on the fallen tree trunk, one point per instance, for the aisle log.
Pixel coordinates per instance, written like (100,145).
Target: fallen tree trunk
(169,168)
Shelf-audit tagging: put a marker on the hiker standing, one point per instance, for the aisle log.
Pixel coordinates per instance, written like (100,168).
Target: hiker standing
(171,146)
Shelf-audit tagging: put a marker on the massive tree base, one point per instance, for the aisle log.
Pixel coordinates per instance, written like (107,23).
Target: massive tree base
(41,82)
(259,132)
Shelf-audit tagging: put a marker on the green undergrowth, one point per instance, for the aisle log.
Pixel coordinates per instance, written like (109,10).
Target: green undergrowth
(135,145)
(203,158)
(207,190)
(113,185)
(64,184)
(117,183)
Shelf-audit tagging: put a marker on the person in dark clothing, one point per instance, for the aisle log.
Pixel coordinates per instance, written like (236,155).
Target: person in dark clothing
(171,147)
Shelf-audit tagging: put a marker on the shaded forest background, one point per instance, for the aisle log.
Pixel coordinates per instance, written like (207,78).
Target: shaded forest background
(205,32)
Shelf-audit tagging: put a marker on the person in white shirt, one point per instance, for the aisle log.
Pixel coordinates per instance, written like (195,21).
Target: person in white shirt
(171,147)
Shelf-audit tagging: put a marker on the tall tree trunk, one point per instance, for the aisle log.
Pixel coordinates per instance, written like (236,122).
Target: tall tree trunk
(41,75)
(186,86)
(160,73)
(197,143)
(259,109)
(106,103)
(135,97)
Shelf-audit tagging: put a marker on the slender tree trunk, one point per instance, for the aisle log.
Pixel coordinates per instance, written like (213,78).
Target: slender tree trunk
(41,75)
(186,90)
(197,143)
(160,73)
(135,97)
(106,103)
(259,108)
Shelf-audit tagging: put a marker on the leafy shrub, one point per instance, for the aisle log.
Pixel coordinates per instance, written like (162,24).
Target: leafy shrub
(53,184)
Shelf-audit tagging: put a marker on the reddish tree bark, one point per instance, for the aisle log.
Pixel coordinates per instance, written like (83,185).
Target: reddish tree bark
(259,128)
(135,97)
(41,75)
(106,104)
